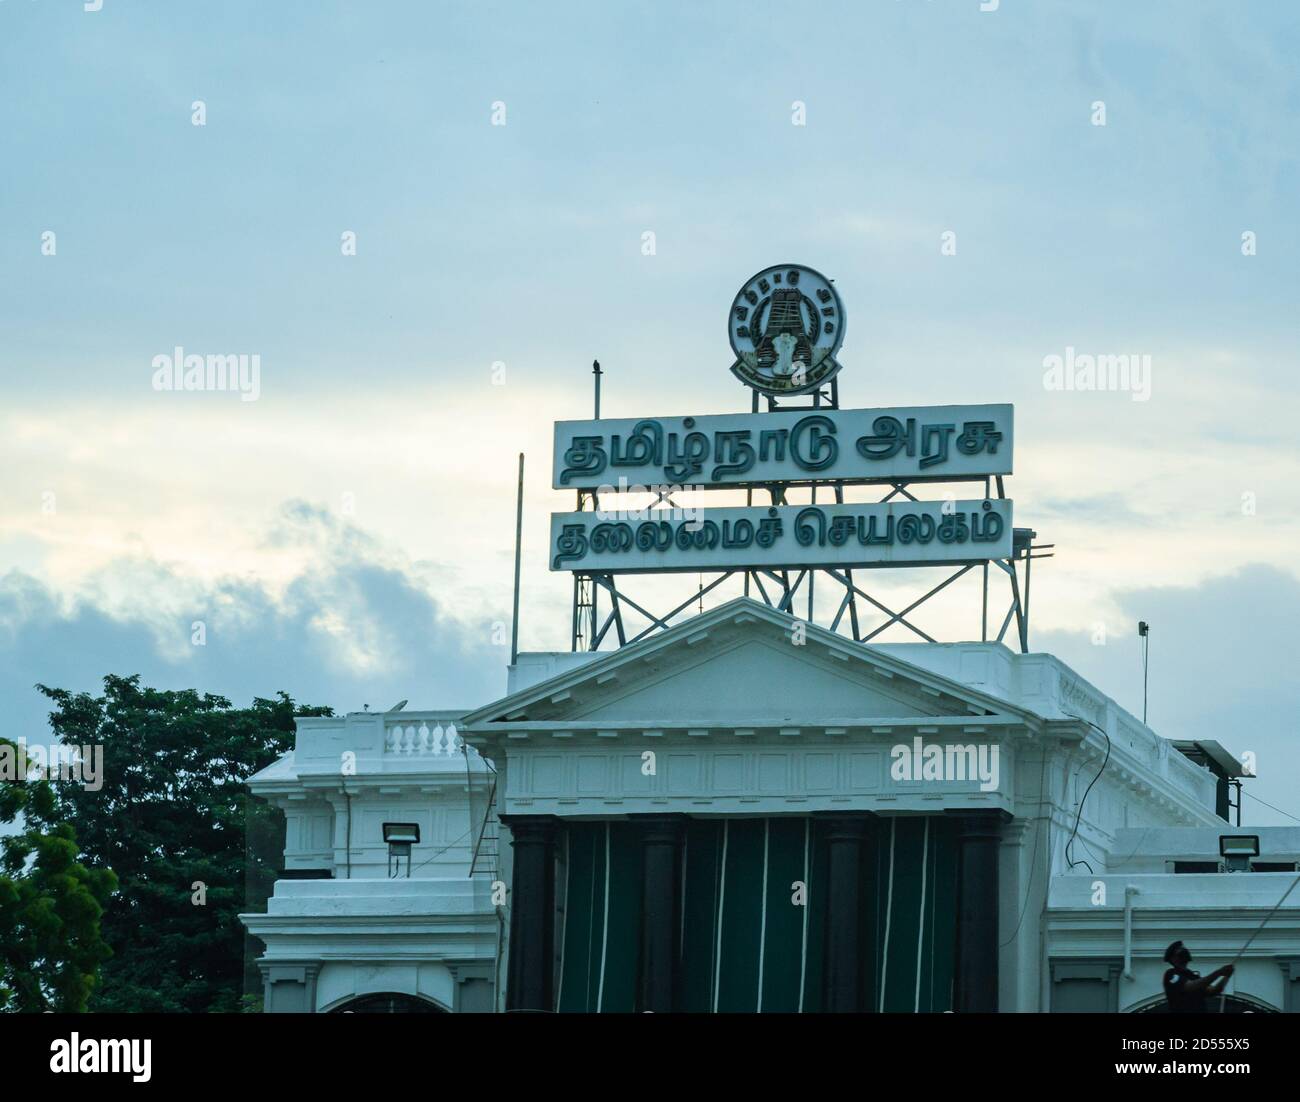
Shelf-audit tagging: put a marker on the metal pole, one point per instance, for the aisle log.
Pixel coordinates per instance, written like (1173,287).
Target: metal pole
(1029,558)
(749,492)
(1242,951)
(519,539)
(749,500)
(1146,665)
(577,598)
(984,620)
(848,573)
(595,504)
(1018,608)
(812,574)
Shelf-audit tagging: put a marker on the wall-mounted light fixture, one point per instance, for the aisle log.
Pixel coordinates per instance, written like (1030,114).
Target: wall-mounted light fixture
(1238,849)
(400,838)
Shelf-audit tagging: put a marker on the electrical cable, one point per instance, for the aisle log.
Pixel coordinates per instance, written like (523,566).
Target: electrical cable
(440,852)
(1276,907)
(1084,799)
(1033,860)
(1270,806)
(347,796)
(1116,864)
(1079,814)
(1223,995)
(1101,858)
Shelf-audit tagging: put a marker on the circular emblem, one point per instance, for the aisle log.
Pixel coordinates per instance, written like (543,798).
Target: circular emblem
(786,325)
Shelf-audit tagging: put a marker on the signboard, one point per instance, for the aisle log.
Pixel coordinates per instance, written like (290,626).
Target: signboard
(900,444)
(895,533)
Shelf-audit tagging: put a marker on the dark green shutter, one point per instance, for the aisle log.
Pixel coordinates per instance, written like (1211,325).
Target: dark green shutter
(911,894)
(784,936)
(598,965)
(702,862)
(915,914)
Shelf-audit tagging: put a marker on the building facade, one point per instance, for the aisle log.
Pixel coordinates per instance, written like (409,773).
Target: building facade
(349,927)
(722,818)
(748,810)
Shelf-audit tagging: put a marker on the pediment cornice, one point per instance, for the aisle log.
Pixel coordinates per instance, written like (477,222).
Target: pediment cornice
(581,698)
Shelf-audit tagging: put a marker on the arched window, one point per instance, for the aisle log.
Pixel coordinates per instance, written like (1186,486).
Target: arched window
(1232,1004)
(387,1002)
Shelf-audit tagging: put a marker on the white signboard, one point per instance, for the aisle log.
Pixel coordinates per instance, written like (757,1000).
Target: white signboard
(900,444)
(895,533)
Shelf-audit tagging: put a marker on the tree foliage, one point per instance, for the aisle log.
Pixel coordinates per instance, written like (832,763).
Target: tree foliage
(171,820)
(50,903)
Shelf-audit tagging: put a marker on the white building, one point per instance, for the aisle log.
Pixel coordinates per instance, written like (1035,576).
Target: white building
(339,931)
(747,812)
(773,764)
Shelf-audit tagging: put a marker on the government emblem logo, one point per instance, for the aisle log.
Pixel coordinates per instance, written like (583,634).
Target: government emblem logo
(786,325)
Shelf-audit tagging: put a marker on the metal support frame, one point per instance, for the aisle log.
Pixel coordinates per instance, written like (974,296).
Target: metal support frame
(589,630)
(782,591)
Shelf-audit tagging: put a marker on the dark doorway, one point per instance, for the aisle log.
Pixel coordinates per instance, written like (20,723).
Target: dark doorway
(387,1002)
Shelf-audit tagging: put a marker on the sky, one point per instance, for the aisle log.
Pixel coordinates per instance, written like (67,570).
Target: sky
(347,537)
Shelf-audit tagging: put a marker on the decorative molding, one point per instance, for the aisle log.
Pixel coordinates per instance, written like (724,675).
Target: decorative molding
(753,777)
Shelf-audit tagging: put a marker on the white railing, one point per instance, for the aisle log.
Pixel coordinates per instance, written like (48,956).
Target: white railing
(416,736)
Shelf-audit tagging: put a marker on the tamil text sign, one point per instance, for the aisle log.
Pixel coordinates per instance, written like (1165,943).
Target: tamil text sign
(904,444)
(895,533)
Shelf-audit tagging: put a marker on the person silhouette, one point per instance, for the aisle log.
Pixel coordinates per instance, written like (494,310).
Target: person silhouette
(1185,990)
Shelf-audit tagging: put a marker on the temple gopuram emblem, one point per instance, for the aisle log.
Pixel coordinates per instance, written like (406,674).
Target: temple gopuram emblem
(786,325)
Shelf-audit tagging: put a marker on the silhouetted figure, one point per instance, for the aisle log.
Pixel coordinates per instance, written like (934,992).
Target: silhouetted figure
(1185,990)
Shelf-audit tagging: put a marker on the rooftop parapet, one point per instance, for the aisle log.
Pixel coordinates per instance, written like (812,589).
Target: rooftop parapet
(373,744)
(1045,685)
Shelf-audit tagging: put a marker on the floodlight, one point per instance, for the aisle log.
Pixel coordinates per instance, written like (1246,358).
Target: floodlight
(1238,849)
(400,838)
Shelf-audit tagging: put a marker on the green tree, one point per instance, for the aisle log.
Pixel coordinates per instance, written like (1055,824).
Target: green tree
(50,903)
(172,820)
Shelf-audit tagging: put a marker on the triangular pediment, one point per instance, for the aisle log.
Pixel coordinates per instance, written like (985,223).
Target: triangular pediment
(740,664)
(759,678)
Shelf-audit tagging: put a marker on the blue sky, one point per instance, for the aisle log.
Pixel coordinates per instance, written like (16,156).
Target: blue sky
(347,536)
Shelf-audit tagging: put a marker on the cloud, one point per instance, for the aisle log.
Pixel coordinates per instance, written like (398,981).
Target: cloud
(1107,508)
(359,624)
(356,626)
